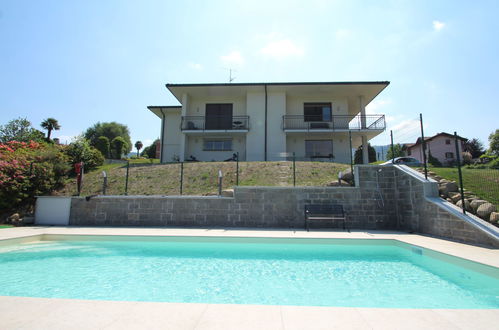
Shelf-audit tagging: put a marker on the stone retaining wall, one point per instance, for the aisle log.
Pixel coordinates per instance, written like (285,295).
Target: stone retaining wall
(385,197)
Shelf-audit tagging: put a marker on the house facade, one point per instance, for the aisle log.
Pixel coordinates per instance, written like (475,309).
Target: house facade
(442,146)
(268,121)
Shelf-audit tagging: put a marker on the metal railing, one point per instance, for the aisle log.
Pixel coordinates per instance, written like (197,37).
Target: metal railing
(207,123)
(339,122)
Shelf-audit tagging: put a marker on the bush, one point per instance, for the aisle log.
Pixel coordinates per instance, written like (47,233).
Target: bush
(433,161)
(467,158)
(102,144)
(494,164)
(81,151)
(28,170)
(118,147)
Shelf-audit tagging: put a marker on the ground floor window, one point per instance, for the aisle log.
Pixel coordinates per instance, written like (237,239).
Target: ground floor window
(318,148)
(449,155)
(217,145)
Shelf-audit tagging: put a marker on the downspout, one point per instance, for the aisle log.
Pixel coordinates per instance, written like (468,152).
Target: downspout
(265,144)
(162,137)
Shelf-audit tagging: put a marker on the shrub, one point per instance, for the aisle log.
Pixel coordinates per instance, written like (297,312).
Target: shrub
(467,158)
(81,151)
(433,161)
(28,170)
(102,144)
(118,147)
(494,164)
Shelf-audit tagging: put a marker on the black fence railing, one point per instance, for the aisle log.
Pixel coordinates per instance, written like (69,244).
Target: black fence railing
(206,123)
(339,122)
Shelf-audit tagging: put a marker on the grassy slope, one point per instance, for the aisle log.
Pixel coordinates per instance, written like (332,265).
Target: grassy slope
(482,182)
(201,177)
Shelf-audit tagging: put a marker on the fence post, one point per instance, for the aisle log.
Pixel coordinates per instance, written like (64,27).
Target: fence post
(391,146)
(220,177)
(126,180)
(424,147)
(181,176)
(104,183)
(237,168)
(351,157)
(294,170)
(458,157)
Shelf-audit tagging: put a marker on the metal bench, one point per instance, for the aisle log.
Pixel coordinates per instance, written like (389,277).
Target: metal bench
(324,212)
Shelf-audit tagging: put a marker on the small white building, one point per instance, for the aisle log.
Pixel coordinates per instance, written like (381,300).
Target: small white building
(268,121)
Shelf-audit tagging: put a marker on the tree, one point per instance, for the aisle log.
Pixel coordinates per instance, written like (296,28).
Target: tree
(358,154)
(104,146)
(110,130)
(494,143)
(80,150)
(398,151)
(50,124)
(138,146)
(433,161)
(150,151)
(20,130)
(474,147)
(118,147)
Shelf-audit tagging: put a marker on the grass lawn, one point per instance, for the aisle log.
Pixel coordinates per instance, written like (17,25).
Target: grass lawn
(5,226)
(202,177)
(482,182)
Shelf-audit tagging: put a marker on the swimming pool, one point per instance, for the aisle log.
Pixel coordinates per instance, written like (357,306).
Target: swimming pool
(274,271)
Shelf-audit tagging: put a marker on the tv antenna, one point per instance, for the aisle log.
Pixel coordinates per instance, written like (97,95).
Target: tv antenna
(231,78)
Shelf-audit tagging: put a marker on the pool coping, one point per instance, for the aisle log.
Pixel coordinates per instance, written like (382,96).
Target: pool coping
(26,313)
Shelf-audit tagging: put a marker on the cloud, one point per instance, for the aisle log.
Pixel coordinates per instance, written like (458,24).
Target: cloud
(195,66)
(65,139)
(233,58)
(375,106)
(437,25)
(406,130)
(280,49)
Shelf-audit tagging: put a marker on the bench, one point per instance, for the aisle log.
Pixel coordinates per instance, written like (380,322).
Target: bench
(324,212)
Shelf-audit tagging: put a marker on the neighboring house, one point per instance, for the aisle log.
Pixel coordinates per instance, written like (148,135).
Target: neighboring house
(268,121)
(442,146)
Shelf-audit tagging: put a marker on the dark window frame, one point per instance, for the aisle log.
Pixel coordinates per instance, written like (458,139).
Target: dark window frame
(447,141)
(330,155)
(214,140)
(317,117)
(451,155)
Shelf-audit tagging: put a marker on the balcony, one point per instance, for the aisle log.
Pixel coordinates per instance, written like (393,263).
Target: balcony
(312,123)
(215,123)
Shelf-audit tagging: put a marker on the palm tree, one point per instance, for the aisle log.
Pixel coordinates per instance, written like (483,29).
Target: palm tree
(50,124)
(138,146)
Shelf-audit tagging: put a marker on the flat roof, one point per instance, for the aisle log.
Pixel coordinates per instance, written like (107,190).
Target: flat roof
(283,83)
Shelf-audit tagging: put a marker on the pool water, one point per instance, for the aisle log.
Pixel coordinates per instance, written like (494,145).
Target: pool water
(348,273)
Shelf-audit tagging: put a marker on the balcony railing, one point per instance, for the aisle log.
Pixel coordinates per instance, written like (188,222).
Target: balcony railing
(214,123)
(339,122)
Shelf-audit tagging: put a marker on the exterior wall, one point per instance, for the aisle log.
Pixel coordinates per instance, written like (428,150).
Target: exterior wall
(172,136)
(255,138)
(295,104)
(341,146)
(197,107)
(194,147)
(385,197)
(276,139)
(438,149)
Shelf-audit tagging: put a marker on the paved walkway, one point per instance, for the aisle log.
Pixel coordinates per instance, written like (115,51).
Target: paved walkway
(45,313)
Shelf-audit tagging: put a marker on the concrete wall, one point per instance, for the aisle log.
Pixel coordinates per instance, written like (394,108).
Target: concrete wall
(295,104)
(255,138)
(172,136)
(52,210)
(197,107)
(276,140)
(195,144)
(385,197)
(341,146)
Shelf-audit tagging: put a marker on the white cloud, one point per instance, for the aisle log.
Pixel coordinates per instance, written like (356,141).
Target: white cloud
(375,106)
(437,25)
(280,49)
(407,128)
(195,66)
(233,58)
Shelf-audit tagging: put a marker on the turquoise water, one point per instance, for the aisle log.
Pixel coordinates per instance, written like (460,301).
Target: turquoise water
(277,272)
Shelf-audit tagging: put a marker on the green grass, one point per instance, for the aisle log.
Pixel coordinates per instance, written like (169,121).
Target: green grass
(201,178)
(5,226)
(482,182)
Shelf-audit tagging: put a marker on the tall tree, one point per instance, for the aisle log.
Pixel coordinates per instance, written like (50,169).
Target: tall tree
(118,145)
(104,146)
(358,154)
(20,130)
(398,151)
(474,147)
(138,146)
(494,143)
(110,130)
(50,124)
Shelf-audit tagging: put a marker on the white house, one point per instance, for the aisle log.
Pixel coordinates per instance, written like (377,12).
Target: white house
(268,121)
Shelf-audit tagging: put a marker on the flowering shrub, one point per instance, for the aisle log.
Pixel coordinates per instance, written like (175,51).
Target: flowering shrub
(29,169)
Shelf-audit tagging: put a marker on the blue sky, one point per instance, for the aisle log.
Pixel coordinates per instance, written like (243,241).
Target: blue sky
(87,61)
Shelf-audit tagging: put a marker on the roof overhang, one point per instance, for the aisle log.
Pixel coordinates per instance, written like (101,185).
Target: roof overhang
(160,110)
(350,90)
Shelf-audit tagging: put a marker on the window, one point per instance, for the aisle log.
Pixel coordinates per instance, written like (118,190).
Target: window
(447,141)
(217,145)
(218,116)
(409,152)
(319,148)
(449,155)
(317,111)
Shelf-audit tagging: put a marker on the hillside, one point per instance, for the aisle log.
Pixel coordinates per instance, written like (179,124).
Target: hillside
(201,178)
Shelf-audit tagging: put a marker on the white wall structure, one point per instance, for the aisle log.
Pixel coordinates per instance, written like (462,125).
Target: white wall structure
(51,210)
(269,121)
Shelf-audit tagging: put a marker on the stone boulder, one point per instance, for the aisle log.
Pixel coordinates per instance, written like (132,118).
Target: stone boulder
(345,175)
(476,203)
(494,217)
(454,196)
(447,187)
(228,193)
(339,183)
(14,218)
(485,210)
(466,205)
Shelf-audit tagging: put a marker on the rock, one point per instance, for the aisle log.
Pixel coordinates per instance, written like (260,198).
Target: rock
(228,193)
(494,217)
(14,218)
(466,205)
(454,196)
(211,193)
(476,203)
(448,200)
(447,187)
(345,175)
(485,210)
(432,173)
(340,183)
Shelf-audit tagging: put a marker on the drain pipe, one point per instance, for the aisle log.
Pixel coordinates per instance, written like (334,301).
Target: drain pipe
(265,144)
(162,136)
